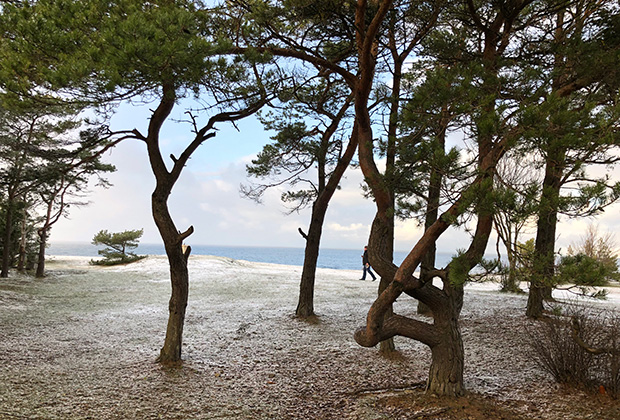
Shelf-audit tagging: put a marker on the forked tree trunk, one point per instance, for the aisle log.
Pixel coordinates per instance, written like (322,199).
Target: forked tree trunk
(172,238)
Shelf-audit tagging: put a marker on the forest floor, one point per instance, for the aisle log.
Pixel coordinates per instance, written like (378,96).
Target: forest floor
(81,344)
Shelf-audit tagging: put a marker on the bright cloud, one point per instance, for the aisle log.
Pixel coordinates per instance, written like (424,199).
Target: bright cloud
(351,228)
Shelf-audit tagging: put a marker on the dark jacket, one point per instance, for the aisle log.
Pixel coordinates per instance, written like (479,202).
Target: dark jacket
(365,258)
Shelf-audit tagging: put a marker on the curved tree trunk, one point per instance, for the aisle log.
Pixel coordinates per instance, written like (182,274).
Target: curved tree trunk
(179,278)
(381,256)
(172,238)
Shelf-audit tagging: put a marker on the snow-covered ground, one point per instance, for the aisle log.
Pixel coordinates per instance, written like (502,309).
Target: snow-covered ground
(81,344)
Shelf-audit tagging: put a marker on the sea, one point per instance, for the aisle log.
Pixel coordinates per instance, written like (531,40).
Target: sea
(341,259)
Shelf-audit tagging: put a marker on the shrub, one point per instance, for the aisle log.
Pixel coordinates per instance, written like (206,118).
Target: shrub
(584,272)
(580,348)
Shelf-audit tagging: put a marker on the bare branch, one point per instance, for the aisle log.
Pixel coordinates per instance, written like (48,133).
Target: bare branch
(185,234)
(576,334)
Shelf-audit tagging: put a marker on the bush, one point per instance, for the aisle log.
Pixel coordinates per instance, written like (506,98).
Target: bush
(584,272)
(586,357)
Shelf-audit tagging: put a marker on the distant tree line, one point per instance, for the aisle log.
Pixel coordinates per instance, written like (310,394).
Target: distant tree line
(483,116)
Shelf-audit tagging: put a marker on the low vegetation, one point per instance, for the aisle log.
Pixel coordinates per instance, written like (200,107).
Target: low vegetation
(580,348)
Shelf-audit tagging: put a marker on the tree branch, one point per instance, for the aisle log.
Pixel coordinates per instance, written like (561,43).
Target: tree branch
(576,334)
(185,234)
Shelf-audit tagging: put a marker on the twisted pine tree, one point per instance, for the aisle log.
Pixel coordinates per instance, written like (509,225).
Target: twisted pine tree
(118,246)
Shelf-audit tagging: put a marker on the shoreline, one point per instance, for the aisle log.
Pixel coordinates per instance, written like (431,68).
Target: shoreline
(328,257)
(490,285)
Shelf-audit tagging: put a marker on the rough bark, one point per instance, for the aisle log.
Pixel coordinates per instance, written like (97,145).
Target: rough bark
(448,356)
(179,279)
(544,264)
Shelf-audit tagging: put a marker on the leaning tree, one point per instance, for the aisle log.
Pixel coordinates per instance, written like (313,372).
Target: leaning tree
(484,36)
(490,30)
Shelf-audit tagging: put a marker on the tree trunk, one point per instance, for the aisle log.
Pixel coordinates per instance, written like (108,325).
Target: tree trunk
(511,283)
(8,228)
(432,208)
(427,263)
(448,357)
(544,256)
(172,238)
(381,256)
(305,306)
(41,254)
(535,301)
(21,262)
(179,279)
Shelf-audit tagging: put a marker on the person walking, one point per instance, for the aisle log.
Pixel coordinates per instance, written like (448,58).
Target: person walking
(366,265)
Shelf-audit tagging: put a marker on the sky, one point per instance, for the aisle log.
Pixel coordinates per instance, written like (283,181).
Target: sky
(207,197)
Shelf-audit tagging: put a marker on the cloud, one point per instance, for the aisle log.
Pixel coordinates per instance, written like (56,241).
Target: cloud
(207,197)
(351,228)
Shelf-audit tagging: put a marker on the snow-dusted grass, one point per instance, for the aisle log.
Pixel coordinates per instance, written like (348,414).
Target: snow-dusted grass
(82,342)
